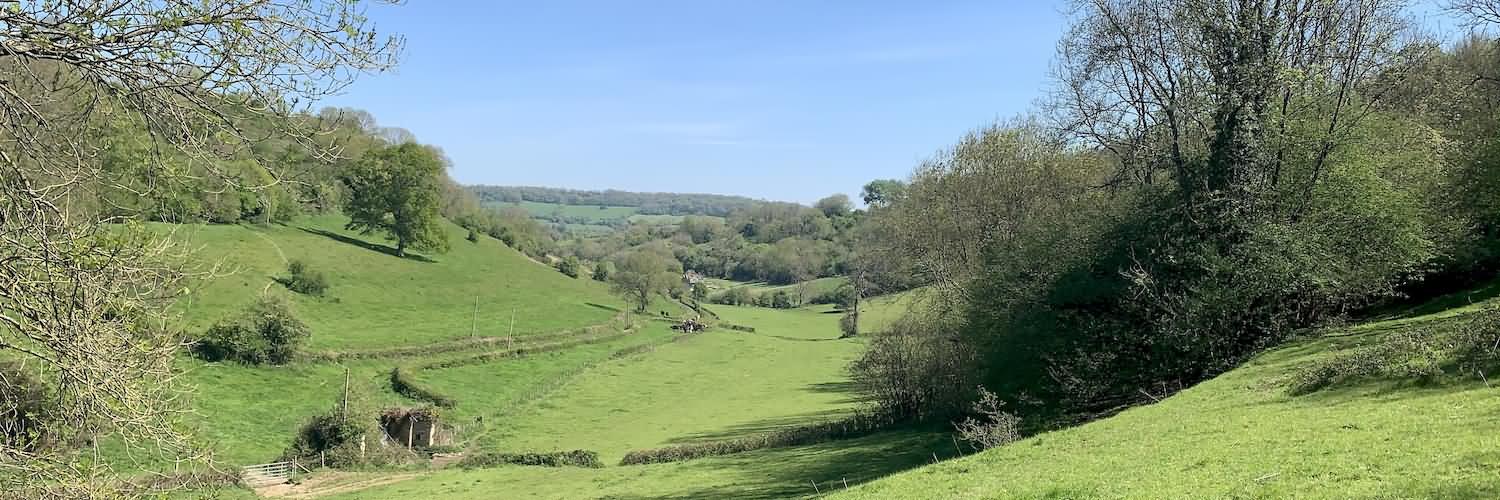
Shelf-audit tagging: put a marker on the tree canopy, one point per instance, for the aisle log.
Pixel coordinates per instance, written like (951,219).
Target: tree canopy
(396,190)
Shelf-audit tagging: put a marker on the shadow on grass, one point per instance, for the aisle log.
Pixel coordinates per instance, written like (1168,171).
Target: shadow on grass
(1457,300)
(799,339)
(791,472)
(365,244)
(602,306)
(763,426)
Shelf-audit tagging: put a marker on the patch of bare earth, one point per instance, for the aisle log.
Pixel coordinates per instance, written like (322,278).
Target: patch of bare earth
(332,483)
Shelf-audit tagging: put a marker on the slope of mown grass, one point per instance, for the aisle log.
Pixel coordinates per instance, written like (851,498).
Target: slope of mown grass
(379,300)
(1242,436)
(489,391)
(717,385)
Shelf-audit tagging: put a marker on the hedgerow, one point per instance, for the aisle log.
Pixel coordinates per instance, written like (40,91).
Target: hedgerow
(403,384)
(574,458)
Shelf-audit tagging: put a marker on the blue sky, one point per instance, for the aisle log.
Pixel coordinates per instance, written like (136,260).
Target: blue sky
(777,99)
(786,100)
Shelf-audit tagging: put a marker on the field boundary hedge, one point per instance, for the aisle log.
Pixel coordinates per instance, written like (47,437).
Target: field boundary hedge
(573,458)
(458,345)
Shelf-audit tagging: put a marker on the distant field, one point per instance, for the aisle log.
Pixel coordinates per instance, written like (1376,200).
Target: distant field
(597,218)
(810,288)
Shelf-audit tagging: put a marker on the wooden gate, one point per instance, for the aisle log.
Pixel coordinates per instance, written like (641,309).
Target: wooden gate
(268,474)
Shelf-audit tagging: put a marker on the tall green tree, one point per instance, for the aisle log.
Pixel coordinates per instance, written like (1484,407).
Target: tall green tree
(642,274)
(397,190)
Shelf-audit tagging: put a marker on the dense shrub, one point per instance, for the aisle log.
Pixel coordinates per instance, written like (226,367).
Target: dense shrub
(844,297)
(267,332)
(473,236)
(737,296)
(602,270)
(325,432)
(574,458)
(569,266)
(25,410)
(305,280)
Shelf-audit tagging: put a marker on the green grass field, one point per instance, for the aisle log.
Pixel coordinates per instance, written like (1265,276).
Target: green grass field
(249,414)
(593,213)
(378,300)
(719,385)
(1241,435)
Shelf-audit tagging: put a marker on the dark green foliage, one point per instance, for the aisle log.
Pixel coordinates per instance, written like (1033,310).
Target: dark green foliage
(569,266)
(574,458)
(396,190)
(266,332)
(845,297)
(861,424)
(738,328)
(324,433)
(25,408)
(473,236)
(738,296)
(305,280)
(883,192)
(402,384)
(603,270)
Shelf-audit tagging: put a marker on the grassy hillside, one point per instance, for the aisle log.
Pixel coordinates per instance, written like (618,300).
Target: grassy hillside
(379,300)
(249,414)
(1242,435)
